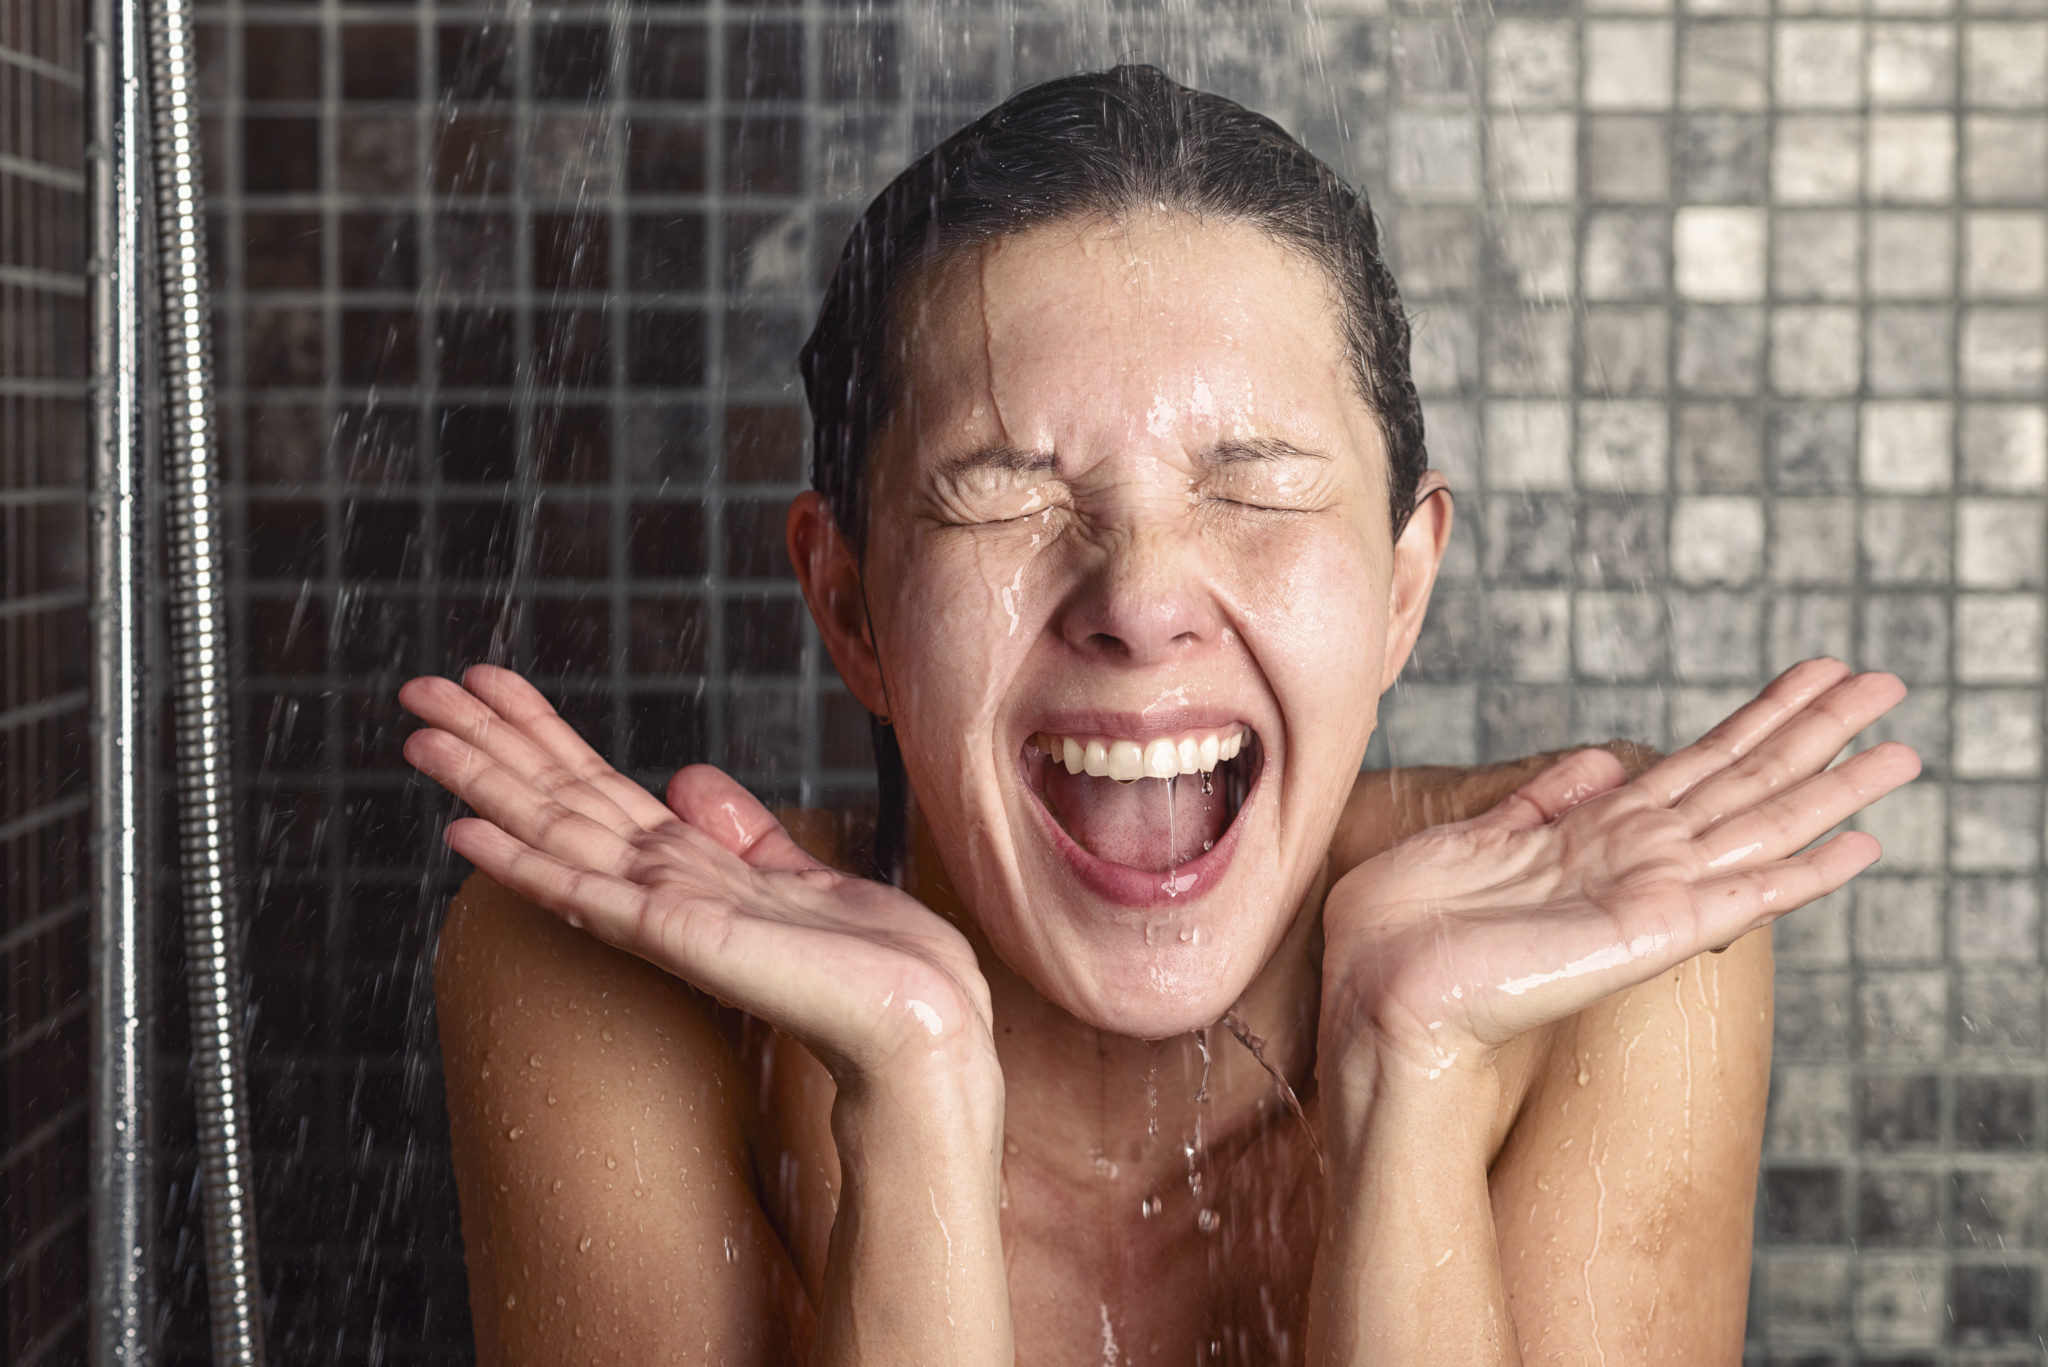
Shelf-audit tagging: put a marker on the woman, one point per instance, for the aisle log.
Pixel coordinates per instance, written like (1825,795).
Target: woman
(1122,524)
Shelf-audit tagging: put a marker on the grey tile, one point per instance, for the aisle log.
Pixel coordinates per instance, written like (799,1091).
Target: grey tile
(1720,349)
(1802,1295)
(1900,1208)
(1908,634)
(1717,448)
(1620,542)
(1815,936)
(1619,713)
(2005,447)
(1527,349)
(1811,1022)
(1528,538)
(1717,539)
(1817,254)
(1527,635)
(1432,60)
(1911,254)
(1903,1015)
(1627,254)
(1533,158)
(2005,158)
(1904,541)
(1898,920)
(1818,64)
(2000,544)
(1911,825)
(1813,448)
(1912,64)
(1993,1208)
(1532,63)
(1434,157)
(1522,720)
(1921,721)
(1999,638)
(2005,254)
(1816,159)
(1628,63)
(1997,733)
(1723,64)
(1533,253)
(1723,158)
(1998,1015)
(2005,63)
(1909,349)
(1994,921)
(1816,351)
(1527,444)
(1627,159)
(1715,637)
(2004,350)
(1617,635)
(1625,350)
(1994,827)
(1624,445)
(1898,1111)
(1811,1114)
(1803,1204)
(1899,1300)
(1436,251)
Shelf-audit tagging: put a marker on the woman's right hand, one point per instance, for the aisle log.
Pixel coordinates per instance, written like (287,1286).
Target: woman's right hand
(710,887)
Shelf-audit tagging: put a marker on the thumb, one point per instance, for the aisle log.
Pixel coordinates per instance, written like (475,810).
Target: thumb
(1564,785)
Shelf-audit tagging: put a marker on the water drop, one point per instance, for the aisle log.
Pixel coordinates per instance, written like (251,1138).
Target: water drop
(515,1132)
(611,1160)
(510,1300)
(1149,1207)
(1206,1221)
(1010,1146)
(533,1060)
(1208,786)
(583,1244)
(606,1033)
(551,1098)
(1208,845)
(558,1184)
(731,1253)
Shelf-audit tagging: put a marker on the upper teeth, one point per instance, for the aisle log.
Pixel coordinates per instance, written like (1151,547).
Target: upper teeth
(1125,760)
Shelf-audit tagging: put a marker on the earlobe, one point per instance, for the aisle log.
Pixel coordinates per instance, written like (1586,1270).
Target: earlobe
(1417,555)
(830,576)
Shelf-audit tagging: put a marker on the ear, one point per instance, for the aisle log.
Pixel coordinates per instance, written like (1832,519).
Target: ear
(1416,557)
(830,576)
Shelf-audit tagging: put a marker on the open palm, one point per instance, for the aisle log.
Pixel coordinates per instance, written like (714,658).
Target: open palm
(708,887)
(1581,884)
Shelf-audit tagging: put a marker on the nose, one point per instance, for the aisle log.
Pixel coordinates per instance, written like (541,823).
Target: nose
(1144,601)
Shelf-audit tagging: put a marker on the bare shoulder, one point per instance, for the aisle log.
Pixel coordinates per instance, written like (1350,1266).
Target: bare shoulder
(1623,1189)
(598,1124)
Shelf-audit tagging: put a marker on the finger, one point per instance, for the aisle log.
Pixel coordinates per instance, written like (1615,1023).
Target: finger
(608,906)
(447,706)
(1730,906)
(1672,777)
(507,800)
(1564,785)
(523,738)
(1808,810)
(1807,743)
(523,704)
(715,803)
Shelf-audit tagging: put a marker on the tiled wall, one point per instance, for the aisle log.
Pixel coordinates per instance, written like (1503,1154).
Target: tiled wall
(1732,329)
(44,920)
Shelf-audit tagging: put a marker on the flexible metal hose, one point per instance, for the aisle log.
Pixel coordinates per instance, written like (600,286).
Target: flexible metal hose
(199,667)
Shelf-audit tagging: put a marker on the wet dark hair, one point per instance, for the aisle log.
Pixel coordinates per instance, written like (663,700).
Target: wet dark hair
(1094,144)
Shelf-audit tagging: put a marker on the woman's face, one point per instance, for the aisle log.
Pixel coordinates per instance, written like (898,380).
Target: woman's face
(1130,499)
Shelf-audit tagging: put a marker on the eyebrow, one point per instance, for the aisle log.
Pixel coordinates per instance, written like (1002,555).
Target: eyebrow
(1008,458)
(1018,461)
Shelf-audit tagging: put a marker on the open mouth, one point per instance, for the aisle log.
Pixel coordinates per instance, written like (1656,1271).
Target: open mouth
(1154,805)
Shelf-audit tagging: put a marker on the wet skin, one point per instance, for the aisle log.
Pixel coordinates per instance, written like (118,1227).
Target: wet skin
(1130,486)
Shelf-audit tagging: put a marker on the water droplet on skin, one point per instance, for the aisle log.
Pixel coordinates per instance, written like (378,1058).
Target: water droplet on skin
(1585,1074)
(611,1160)
(1206,1221)
(533,1060)
(1208,845)
(486,1071)
(1010,1146)
(515,1132)
(1149,1207)
(551,1098)
(606,1033)
(558,1184)
(511,1300)
(731,1253)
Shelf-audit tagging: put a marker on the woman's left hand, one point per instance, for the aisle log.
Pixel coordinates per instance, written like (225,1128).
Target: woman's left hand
(1582,884)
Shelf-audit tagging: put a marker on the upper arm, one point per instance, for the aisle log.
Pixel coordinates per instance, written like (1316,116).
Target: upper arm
(609,1211)
(1622,1197)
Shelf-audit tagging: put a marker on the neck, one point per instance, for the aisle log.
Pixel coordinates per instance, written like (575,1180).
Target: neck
(1086,1105)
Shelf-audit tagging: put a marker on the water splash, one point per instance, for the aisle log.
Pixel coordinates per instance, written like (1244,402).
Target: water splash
(1256,1046)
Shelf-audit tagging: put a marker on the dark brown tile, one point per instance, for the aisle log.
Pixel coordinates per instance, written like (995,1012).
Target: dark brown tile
(473,155)
(764,443)
(477,443)
(573,444)
(379,346)
(475,250)
(571,61)
(666,731)
(281,251)
(665,634)
(665,540)
(285,538)
(665,251)
(764,60)
(282,346)
(763,156)
(478,539)
(475,346)
(281,62)
(665,156)
(380,62)
(571,635)
(476,61)
(572,347)
(380,539)
(377,445)
(667,61)
(280,155)
(572,251)
(756,546)
(666,442)
(665,347)
(572,539)
(377,154)
(379,251)
(284,443)
(857,61)
(763,636)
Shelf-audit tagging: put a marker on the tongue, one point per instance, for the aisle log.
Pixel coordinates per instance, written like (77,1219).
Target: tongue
(1150,824)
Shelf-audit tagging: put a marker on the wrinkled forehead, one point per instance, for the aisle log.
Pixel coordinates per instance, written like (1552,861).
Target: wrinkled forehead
(1141,326)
